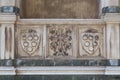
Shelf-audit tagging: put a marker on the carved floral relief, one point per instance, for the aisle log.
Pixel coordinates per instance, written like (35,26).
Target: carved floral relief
(60,40)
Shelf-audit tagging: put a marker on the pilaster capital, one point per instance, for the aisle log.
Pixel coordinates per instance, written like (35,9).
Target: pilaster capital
(7,19)
(113,18)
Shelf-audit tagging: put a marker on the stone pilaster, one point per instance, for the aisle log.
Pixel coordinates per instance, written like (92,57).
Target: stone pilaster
(111,11)
(8,13)
(7,36)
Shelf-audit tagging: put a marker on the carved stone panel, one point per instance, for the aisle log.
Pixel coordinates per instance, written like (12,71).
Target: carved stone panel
(91,42)
(29,41)
(60,41)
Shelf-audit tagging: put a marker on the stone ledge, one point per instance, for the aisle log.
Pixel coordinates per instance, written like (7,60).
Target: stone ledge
(112,18)
(60,70)
(8,19)
(68,70)
(62,21)
(7,71)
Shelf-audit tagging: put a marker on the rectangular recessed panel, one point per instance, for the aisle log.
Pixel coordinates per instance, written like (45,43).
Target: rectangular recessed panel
(59,8)
(60,41)
(91,41)
(29,41)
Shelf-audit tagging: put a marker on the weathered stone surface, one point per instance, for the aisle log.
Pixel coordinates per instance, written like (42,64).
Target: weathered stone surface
(65,9)
(7,62)
(26,62)
(89,62)
(111,9)
(61,77)
(30,77)
(68,77)
(9,9)
(55,62)
(7,77)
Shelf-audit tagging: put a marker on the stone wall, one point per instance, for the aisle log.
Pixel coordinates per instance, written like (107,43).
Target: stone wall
(60,9)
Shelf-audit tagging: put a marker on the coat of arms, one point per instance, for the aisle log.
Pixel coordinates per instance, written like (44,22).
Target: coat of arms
(30,40)
(91,41)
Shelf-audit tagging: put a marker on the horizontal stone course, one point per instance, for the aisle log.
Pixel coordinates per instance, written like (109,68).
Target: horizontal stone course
(7,62)
(55,62)
(33,62)
(23,62)
(68,77)
(62,77)
(7,77)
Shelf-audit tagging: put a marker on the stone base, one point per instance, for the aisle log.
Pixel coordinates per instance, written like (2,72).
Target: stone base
(8,77)
(111,9)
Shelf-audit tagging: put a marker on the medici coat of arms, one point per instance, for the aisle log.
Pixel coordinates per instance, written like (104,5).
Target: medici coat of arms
(30,40)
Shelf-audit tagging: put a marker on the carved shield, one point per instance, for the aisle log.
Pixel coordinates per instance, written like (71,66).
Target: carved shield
(90,42)
(30,40)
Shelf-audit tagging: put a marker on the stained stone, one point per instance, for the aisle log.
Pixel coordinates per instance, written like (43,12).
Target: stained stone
(55,62)
(63,63)
(59,62)
(89,62)
(113,77)
(89,78)
(9,9)
(6,62)
(56,77)
(7,77)
(64,77)
(112,62)
(29,62)
(111,9)
(30,77)
(1,63)
(49,62)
